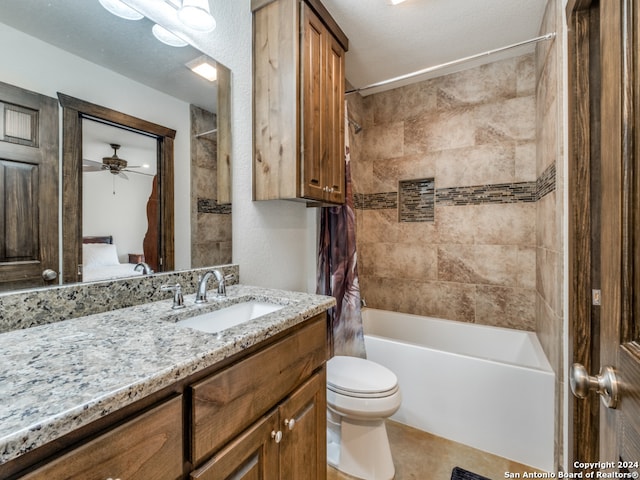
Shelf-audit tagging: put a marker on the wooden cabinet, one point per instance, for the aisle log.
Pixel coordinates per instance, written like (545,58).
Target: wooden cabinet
(288,443)
(262,415)
(298,114)
(272,403)
(149,446)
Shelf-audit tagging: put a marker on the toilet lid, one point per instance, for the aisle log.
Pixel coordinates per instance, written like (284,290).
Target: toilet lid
(352,375)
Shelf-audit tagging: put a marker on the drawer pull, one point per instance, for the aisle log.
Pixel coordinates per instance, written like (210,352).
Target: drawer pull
(290,422)
(277,436)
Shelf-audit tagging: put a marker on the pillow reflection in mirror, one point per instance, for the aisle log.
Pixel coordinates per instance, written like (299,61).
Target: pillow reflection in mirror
(99,254)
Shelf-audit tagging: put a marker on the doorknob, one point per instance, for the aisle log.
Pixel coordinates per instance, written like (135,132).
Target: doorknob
(49,274)
(605,384)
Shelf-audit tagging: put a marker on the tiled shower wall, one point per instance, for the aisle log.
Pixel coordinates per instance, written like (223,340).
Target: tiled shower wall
(549,211)
(210,221)
(446,187)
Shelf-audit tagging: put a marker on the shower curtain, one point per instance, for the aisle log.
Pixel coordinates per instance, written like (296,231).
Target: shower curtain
(338,269)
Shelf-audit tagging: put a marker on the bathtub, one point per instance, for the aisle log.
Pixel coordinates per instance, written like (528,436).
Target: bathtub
(487,387)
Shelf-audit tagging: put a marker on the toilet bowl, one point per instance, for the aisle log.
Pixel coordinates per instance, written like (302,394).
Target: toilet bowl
(361,394)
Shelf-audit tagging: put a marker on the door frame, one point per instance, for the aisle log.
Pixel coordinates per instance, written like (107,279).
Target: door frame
(584,161)
(74,111)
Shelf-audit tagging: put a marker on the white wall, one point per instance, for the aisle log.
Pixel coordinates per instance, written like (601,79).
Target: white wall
(274,241)
(89,82)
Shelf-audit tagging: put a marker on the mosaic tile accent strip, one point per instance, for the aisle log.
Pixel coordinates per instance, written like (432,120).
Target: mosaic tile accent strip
(417,200)
(481,194)
(209,205)
(376,201)
(546,182)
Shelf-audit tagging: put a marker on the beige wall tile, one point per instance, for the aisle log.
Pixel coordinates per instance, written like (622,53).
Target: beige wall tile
(417,261)
(513,119)
(388,172)
(383,141)
(405,102)
(484,84)
(482,264)
(506,307)
(478,165)
(440,131)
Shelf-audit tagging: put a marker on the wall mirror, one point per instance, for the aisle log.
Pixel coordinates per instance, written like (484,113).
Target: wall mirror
(75,49)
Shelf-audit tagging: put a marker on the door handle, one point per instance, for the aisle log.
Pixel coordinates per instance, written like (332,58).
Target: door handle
(49,274)
(605,384)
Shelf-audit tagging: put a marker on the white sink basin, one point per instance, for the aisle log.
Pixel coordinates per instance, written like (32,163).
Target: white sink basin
(228,317)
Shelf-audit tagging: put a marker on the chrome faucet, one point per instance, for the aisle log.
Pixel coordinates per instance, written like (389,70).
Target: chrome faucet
(144,268)
(178,299)
(201,294)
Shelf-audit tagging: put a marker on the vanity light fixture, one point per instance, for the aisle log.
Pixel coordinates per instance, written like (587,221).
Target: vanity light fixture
(205,67)
(167,37)
(121,9)
(196,14)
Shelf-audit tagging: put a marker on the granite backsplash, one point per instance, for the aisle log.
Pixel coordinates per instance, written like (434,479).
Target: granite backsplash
(29,308)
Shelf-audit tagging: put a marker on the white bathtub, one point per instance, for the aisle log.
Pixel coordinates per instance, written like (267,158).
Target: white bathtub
(487,387)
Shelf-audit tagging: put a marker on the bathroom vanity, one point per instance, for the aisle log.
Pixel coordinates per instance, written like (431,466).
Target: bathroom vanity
(133,394)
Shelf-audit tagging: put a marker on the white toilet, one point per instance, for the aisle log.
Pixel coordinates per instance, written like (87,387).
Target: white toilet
(361,394)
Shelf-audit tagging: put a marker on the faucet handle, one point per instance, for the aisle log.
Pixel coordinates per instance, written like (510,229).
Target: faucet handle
(178,299)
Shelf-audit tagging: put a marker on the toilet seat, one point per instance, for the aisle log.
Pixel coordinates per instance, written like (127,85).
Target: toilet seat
(360,378)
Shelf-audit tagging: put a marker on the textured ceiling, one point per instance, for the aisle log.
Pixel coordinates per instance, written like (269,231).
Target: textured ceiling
(387,41)
(85,29)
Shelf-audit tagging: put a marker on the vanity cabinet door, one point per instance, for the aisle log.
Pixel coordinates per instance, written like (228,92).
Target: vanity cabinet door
(147,447)
(228,402)
(303,421)
(251,456)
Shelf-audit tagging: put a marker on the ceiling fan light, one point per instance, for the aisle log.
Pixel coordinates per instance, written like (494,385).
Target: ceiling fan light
(120,9)
(167,37)
(195,14)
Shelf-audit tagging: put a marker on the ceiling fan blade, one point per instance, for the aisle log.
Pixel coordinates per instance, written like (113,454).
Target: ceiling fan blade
(121,174)
(91,166)
(139,173)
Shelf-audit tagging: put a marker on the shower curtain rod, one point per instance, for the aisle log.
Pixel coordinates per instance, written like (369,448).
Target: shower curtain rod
(541,38)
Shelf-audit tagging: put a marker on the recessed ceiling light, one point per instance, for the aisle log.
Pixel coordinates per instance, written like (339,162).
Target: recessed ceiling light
(196,14)
(394,2)
(121,10)
(205,67)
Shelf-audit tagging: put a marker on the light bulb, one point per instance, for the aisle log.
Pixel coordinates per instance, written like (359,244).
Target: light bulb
(195,14)
(167,37)
(121,10)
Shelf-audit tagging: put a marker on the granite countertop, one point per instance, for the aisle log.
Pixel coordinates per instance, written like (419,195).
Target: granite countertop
(56,378)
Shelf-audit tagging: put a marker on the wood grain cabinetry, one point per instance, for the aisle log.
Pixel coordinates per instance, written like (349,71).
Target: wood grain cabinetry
(287,443)
(298,115)
(265,415)
(149,446)
(259,415)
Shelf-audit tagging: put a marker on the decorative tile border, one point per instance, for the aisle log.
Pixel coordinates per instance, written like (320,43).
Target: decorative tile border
(376,201)
(209,205)
(417,200)
(482,194)
(546,182)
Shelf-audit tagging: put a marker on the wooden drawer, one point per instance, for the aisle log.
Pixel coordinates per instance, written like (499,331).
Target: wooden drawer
(149,446)
(226,403)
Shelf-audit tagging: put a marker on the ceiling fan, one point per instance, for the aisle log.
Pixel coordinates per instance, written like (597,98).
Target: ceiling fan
(113,164)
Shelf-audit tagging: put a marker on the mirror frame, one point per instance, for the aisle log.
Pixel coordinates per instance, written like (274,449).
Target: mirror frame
(74,111)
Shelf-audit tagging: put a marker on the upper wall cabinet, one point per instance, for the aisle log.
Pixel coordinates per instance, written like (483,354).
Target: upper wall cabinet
(298,102)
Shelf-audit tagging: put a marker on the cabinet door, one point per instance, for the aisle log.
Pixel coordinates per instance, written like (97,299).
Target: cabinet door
(303,450)
(334,122)
(314,151)
(251,456)
(149,446)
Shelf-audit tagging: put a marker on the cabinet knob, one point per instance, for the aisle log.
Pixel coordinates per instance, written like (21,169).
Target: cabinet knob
(290,422)
(277,436)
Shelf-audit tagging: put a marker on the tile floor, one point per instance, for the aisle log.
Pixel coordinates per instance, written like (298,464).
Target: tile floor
(418,455)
